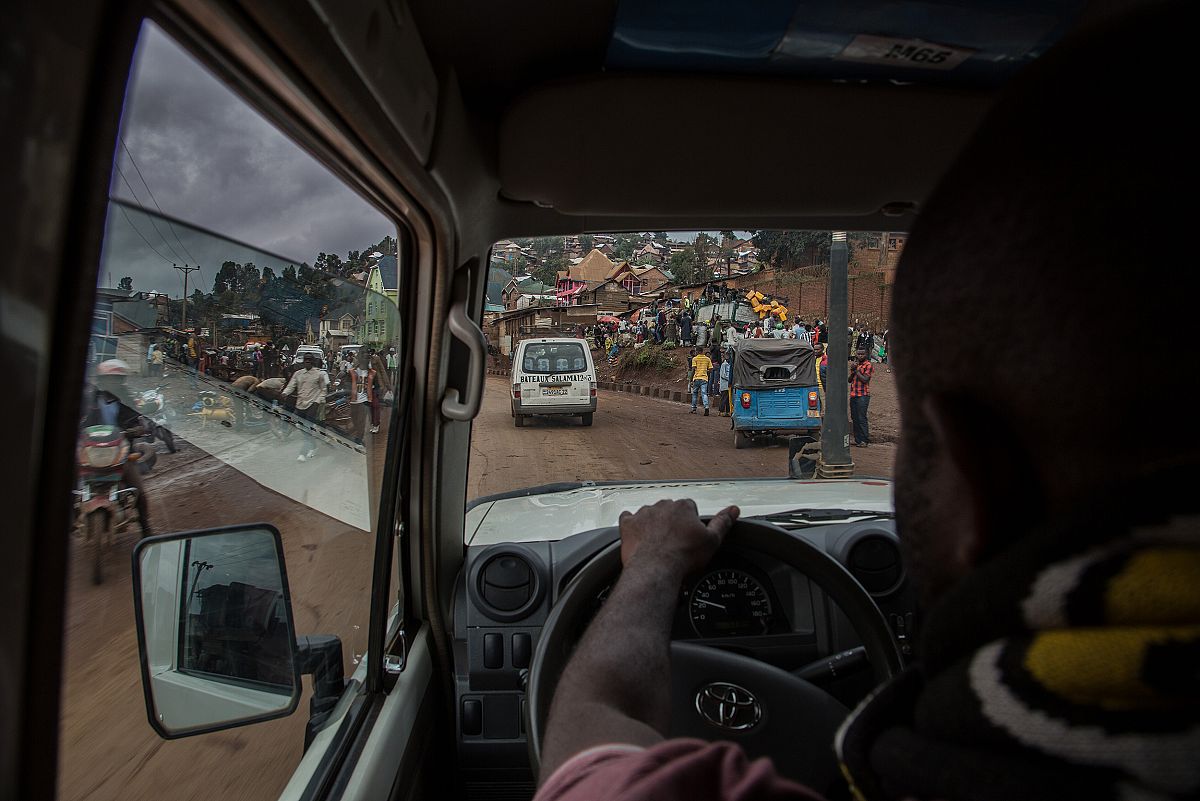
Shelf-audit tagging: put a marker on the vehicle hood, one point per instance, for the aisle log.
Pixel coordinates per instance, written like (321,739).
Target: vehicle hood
(554,515)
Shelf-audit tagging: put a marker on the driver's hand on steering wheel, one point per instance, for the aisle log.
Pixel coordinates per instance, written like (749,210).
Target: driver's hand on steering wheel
(672,531)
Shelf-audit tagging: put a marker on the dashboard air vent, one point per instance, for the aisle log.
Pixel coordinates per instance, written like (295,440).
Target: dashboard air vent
(875,562)
(506,582)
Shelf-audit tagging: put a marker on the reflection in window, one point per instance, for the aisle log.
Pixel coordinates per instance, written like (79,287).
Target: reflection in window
(227,356)
(234,619)
(229,254)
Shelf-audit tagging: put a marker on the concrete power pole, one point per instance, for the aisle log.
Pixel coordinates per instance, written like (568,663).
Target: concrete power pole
(186,271)
(835,435)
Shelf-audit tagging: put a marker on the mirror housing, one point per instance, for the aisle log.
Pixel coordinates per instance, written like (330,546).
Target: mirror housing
(216,636)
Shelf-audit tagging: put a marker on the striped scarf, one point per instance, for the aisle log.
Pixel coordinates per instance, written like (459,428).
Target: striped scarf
(1066,667)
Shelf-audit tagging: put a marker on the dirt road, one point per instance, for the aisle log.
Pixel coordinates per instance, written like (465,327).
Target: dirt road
(107,748)
(631,437)
(109,751)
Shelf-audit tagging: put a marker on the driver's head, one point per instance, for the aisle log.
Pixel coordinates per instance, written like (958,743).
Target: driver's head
(1058,214)
(310,361)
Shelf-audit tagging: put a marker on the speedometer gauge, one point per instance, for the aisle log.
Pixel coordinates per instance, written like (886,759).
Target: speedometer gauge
(729,603)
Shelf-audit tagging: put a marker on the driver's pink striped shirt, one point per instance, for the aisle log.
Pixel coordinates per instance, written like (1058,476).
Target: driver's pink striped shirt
(682,769)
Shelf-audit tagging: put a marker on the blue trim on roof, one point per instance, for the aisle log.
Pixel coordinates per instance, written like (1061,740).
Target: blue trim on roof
(389,273)
(808,39)
(497,279)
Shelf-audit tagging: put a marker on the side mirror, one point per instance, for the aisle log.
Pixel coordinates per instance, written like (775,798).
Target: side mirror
(215,629)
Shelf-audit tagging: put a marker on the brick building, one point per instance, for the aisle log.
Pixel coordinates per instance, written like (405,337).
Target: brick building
(805,291)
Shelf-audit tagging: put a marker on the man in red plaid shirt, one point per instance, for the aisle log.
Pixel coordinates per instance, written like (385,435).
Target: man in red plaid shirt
(860,397)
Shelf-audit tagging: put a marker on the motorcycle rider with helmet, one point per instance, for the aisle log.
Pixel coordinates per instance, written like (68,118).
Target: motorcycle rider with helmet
(104,405)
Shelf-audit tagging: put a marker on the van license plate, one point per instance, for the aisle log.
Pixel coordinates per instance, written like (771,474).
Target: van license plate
(546,393)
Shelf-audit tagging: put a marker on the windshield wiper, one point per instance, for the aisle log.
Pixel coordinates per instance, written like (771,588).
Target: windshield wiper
(543,489)
(813,516)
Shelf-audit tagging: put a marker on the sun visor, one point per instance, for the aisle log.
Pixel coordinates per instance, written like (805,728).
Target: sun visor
(779,148)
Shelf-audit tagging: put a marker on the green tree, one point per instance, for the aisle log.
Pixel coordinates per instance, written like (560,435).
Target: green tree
(356,260)
(705,248)
(251,293)
(544,246)
(225,277)
(328,263)
(687,267)
(125,283)
(585,241)
(547,271)
(725,253)
(661,237)
(289,273)
(200,307)
(787,250)
(626,244)
(386,246)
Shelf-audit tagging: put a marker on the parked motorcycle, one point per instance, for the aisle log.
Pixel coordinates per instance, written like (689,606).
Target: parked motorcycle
(103,507)
(338,415)
(154,409)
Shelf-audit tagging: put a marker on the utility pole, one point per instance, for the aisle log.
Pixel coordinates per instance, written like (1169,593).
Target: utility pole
(835,435)
(186,271)
(200,566)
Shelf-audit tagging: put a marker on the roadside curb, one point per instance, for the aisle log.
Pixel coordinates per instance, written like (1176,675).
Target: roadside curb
(675,396)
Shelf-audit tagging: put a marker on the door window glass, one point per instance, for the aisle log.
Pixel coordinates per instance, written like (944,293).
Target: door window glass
(235,267)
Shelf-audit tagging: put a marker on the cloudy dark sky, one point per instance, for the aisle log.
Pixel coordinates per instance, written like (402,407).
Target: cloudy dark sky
(212,161)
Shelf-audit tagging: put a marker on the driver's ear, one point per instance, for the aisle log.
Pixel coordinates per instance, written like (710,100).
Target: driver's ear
(985,480)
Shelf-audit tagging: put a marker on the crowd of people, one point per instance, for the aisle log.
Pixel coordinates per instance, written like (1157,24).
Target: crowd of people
(712,341)
(680,325)
(308,380)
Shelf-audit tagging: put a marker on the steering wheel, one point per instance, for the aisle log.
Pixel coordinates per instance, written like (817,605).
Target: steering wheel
(719,695)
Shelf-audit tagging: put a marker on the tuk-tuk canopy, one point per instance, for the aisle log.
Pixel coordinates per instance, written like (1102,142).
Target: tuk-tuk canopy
(766,363)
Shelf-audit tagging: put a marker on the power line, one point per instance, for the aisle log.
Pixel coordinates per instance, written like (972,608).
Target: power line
(151,216)
(155,200)
(144,239)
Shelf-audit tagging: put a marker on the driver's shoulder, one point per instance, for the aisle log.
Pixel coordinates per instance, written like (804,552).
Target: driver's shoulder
(671,769)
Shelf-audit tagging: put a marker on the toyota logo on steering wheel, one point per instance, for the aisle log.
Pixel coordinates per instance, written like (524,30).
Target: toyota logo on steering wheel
(728,706)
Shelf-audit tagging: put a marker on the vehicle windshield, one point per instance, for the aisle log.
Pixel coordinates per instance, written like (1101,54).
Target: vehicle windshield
(734,324)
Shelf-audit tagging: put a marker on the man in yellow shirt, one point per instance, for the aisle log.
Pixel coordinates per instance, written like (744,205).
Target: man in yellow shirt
(701,364)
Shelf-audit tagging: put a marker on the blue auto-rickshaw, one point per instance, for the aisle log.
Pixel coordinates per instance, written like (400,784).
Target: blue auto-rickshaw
(774,389)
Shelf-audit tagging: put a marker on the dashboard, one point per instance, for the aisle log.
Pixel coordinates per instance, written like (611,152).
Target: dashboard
(744,601)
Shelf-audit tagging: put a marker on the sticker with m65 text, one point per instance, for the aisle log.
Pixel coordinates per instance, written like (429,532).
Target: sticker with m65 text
(903,52)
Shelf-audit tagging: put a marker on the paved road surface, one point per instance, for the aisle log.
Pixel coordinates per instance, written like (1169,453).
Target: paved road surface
(108,750)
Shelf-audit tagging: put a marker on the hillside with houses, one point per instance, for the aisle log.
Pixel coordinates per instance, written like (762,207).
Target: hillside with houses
(562,284)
